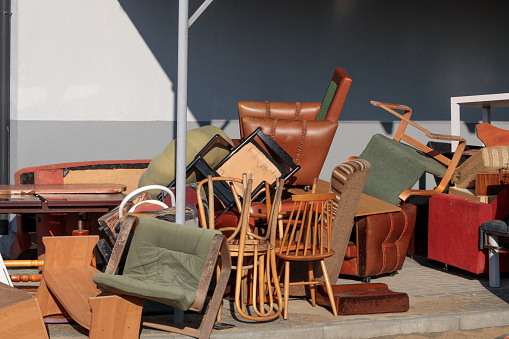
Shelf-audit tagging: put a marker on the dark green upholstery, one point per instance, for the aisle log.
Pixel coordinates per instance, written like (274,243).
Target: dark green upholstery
(395,167)
(165,263)
(327,100)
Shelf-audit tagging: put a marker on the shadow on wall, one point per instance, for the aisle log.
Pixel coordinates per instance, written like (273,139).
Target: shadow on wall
(276,51)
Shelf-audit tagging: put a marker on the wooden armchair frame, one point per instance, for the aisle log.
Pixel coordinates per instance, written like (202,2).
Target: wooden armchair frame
(400,135)
(67,288)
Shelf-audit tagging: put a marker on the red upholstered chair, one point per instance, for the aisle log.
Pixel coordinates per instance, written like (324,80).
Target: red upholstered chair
(304,130)
(453,230)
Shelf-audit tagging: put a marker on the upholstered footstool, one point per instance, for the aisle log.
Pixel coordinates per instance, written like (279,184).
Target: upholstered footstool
(364,299)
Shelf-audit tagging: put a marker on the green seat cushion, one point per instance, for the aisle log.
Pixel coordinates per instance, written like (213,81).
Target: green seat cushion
(161,170)
(395,167)
(164,263)
(327,100)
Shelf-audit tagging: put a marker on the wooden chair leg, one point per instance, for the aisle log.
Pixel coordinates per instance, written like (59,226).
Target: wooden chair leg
(115,317)
(287,289)
(312,288)
(329,288)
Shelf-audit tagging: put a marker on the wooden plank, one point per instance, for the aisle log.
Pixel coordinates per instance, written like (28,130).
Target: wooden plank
(20,316)
(80,188)
(69,251)
(491,183)
(115,316)
(73,286)
(254,163)
(368,205)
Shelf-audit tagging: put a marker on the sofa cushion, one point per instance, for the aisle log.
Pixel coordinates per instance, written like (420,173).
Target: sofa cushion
(164,263)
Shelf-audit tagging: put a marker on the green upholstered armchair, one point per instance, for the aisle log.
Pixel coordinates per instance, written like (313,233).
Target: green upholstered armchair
(172,264)
(396,167)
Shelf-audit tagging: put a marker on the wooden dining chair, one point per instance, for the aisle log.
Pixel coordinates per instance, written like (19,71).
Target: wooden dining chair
(308,224)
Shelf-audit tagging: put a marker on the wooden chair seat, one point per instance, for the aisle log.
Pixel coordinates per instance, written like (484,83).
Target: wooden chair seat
(300,256)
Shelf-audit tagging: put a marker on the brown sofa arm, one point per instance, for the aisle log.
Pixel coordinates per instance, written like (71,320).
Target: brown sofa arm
(383,239)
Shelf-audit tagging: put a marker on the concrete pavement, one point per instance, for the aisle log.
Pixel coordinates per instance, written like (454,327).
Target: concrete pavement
(440,301)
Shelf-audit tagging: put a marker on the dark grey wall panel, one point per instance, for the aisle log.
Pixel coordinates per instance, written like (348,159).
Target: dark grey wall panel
(418,53)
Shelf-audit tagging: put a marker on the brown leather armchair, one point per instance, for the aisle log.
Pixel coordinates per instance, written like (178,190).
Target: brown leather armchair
(304,130)
(379,243)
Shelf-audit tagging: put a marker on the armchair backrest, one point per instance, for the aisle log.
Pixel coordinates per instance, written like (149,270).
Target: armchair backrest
(329,109)
(347,181)
(335,97)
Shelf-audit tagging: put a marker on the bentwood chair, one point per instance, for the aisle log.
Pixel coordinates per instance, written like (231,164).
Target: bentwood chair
(307,235)
(256,277)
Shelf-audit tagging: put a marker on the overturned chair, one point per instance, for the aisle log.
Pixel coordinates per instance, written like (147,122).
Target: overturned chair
(168,263)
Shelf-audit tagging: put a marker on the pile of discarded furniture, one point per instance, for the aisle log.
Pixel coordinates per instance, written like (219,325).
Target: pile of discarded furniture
(264,217)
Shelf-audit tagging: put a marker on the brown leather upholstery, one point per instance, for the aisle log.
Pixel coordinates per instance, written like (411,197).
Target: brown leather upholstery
(306,141)
(380,243)
(295,128)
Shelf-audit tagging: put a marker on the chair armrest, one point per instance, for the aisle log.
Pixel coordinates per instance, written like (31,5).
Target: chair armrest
(445,137)
(409,192)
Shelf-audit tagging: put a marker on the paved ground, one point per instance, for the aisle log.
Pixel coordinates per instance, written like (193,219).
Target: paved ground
(443,304)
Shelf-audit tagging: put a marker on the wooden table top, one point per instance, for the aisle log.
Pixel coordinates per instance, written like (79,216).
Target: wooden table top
(62,189)
(18,199)
(368,205)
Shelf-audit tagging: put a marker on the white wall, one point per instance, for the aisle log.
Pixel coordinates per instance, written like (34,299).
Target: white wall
(79,60)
